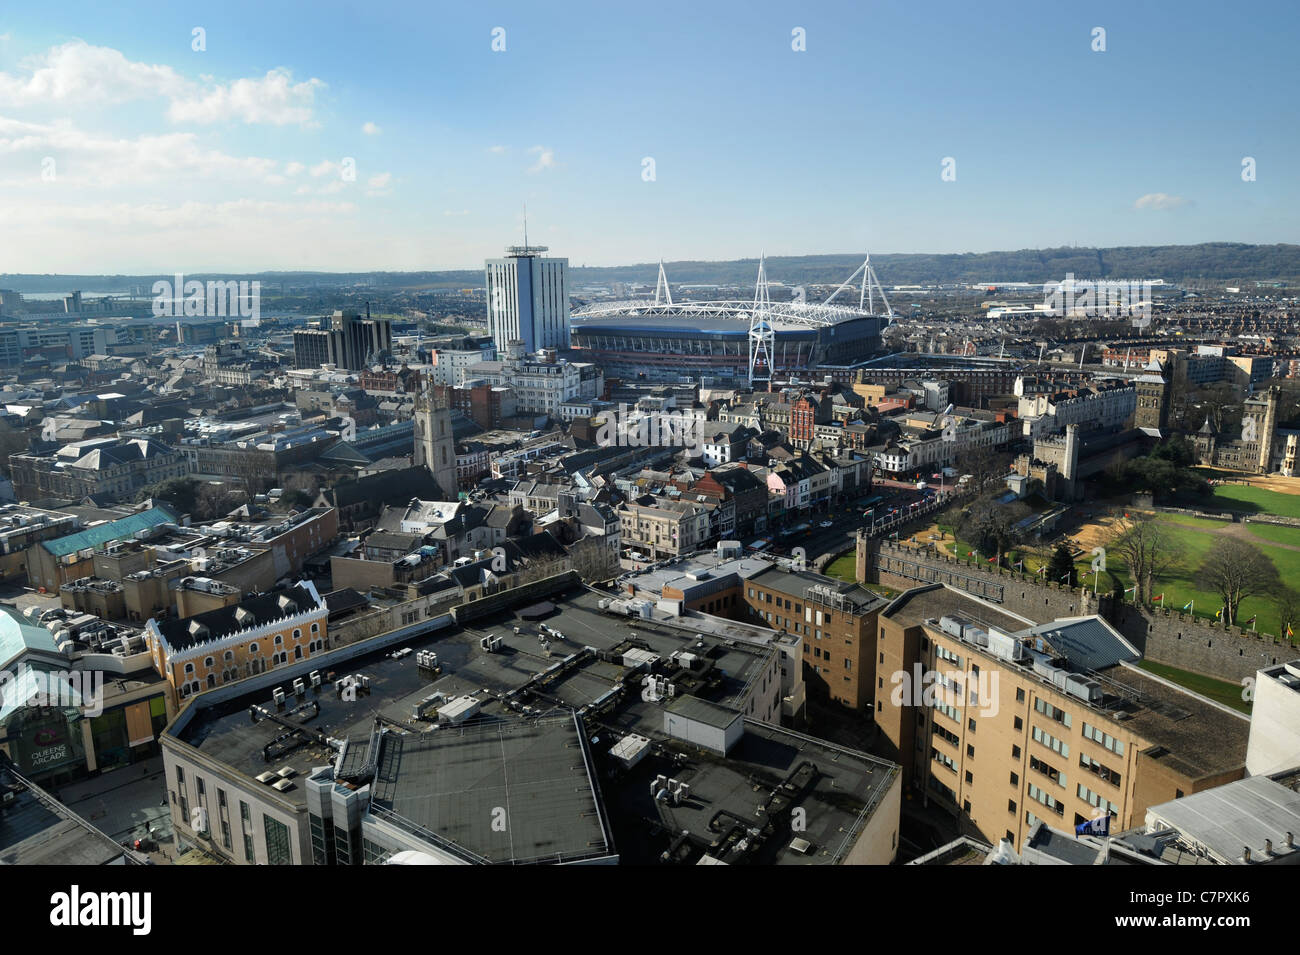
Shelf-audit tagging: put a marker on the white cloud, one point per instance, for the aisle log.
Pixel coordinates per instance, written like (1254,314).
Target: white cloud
(86,159)
(81,74)
(370,129)
(378,185)
(323,167)
(1160,201)
(498,150)
(293,168)
(545,158)
(274,99)
(450,212)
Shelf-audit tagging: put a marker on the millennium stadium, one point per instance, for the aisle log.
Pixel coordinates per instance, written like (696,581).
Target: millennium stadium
(731,341)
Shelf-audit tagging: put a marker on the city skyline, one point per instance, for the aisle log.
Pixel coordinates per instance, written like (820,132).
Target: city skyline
(134,144)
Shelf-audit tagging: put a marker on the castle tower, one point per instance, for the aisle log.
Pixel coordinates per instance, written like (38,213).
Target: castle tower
(1205,441)
(435,447)
(1268,430)
(1152,414)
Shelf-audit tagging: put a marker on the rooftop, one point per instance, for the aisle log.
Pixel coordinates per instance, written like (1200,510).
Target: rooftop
(1242,814)
(450,783)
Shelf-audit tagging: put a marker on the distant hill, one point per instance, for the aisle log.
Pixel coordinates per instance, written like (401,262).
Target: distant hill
(1214,261)
(1211,261)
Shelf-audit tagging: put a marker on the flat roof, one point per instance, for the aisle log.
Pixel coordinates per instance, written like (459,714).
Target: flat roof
(452,781)
(223,731)
(838,789)
(1240,814)
(37,830)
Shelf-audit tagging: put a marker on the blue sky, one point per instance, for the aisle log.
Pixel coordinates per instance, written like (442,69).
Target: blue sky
(124,149)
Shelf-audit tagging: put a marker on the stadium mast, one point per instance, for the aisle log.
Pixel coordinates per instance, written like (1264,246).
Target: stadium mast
(762,337)
(866,295)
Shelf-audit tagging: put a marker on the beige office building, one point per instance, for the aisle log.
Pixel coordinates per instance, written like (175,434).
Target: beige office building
(1004,723)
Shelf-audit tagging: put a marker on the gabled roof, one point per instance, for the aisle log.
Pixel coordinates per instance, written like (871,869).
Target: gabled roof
(250,612)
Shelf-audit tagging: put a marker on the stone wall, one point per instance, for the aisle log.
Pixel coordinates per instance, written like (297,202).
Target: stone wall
(1174,639)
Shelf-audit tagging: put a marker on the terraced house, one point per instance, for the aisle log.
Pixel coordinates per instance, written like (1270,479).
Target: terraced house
(665,529)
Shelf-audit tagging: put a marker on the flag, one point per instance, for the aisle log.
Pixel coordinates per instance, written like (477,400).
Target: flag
(1289,631)
(1218,613)
(1186,605)
(1097,827)
(1251,620)
(1161,597)
(1129,590)
(992,559)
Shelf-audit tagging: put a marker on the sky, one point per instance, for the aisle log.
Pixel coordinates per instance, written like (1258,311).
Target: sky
(247,136)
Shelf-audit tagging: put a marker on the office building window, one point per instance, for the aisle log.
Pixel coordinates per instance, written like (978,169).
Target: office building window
(277,841)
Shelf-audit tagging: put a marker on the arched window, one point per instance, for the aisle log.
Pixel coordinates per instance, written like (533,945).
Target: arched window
(189,668)
(278,639)
(315,628)
(252,648)
(297,634)
(208,661)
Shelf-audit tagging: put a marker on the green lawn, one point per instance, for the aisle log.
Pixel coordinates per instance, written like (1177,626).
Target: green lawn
(1220,691)
(1181,586)
(1277,533)
(843,567)
(1243,497)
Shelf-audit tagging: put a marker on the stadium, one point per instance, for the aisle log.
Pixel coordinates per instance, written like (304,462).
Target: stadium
(732,341)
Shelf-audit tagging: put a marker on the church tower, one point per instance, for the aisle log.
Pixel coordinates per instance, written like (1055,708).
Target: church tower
(435,448)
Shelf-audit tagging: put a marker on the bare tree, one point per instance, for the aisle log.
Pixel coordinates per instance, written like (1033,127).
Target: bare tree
(983,464)
(1288,609)
(1149,550)
(215,501)
(1236,571)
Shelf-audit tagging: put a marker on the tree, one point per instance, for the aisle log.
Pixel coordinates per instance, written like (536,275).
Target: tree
(179,492)
(1061,567)
(1236,571)
(1177,450)
(982,463)
(215,501)
(1161,476)
(1149,549)
(296,499)
(1288,609)
(993,526)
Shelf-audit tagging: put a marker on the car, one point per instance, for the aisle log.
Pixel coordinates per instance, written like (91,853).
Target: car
(826,524)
